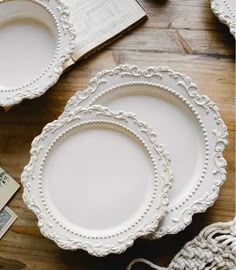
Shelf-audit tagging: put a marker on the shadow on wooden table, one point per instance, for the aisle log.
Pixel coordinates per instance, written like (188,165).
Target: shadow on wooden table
(165,248)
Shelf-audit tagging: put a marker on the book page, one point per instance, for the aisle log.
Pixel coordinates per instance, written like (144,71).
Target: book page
(97,21)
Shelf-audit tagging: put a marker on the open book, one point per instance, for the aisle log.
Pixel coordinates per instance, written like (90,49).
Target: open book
(98,22)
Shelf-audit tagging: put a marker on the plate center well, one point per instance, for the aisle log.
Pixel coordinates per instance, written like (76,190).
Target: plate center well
(26,49)
(175,125)
(97,178)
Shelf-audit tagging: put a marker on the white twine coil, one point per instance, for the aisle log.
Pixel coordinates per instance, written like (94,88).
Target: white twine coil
(213,249)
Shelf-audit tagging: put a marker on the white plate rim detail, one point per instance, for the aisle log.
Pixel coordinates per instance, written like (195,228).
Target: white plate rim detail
(193,99)
(60,13)
(142,131)
(222,10)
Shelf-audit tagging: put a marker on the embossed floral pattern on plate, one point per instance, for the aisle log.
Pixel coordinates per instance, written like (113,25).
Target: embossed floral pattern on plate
(203,189)
(57,226)
(225,10)
(58,13)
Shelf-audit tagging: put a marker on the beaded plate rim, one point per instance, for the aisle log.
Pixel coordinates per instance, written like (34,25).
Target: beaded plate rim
(227,16)
(32,182)
(65,47)
(184,88)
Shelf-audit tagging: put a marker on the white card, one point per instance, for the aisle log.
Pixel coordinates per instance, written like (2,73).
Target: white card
(8,187)
(7,217)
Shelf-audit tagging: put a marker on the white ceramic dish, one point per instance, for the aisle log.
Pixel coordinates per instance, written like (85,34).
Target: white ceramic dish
(36,40)
(225,10)
(188,124)
(97,180)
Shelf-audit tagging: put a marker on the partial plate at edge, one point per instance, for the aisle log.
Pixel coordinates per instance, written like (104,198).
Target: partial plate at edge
(97,180)
(188,124)
(37,38)
(225,10)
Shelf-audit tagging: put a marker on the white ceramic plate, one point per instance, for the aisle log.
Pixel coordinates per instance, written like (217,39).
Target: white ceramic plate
(225,10)
(188,124)
(97,180)
(36,40)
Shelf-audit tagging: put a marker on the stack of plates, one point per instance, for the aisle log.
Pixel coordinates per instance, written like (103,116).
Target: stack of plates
(134,155)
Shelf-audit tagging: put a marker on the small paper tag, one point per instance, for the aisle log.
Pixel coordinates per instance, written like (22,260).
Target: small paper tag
(8,186)
(7,217)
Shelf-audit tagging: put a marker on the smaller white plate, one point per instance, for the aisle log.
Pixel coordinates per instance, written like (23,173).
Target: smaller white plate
(225,10)
(36,40)
(97,180)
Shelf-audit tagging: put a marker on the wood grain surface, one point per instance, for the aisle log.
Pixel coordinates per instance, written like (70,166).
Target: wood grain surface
(186,36)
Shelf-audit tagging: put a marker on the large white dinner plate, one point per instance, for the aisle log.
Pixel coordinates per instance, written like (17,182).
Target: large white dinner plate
(225,10)
(97,180)
(36,40)
(188,124)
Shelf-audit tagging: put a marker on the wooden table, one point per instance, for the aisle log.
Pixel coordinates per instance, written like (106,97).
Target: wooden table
(187,37)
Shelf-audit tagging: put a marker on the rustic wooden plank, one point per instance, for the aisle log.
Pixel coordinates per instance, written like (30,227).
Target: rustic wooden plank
(8,264)
(195,23)
(201,42)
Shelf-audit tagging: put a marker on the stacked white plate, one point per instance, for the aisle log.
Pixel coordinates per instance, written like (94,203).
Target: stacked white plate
(136,154)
